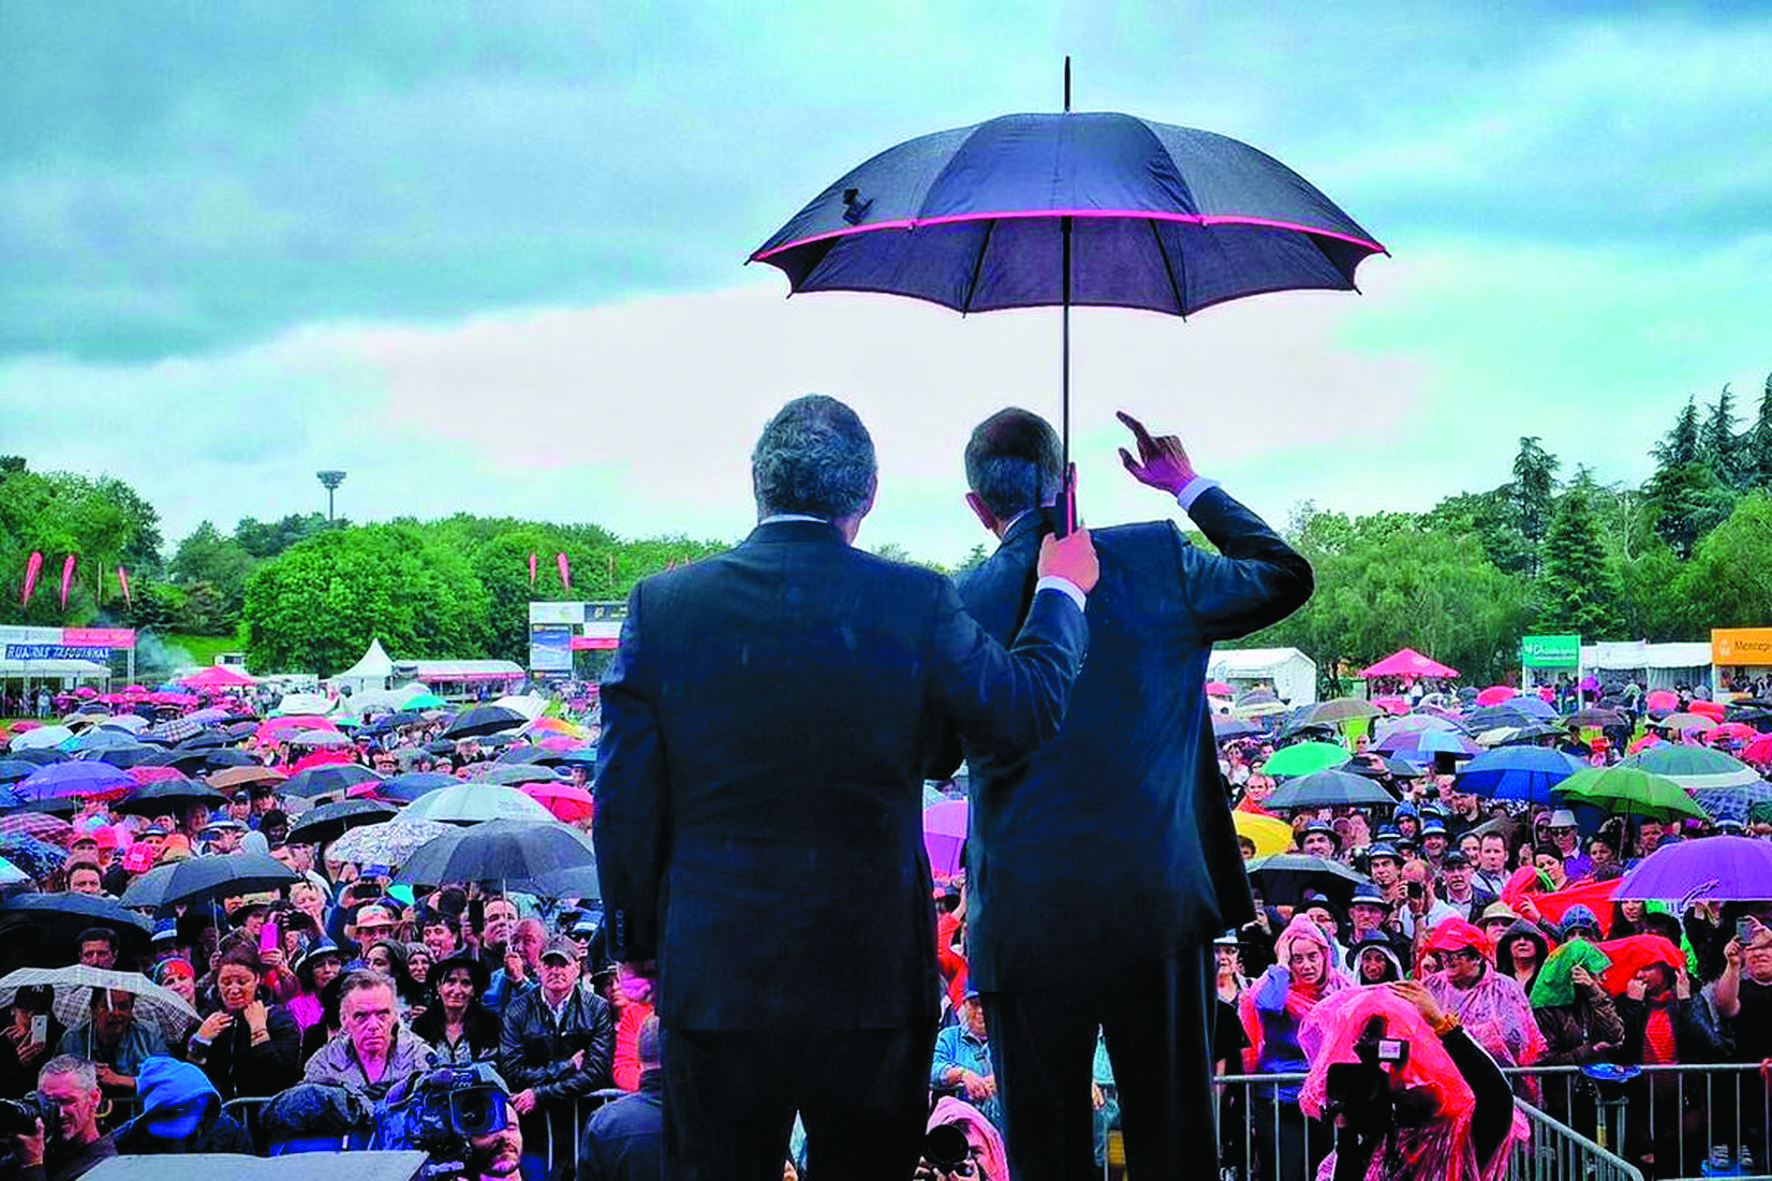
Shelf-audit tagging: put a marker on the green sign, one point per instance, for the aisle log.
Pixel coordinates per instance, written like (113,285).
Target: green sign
(1550,651)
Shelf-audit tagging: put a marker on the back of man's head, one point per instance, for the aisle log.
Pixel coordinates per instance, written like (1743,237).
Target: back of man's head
(1014,462)
(814,457)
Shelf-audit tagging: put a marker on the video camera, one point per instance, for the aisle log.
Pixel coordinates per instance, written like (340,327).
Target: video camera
(437,1111)
(18,1117)
(946,1149)
(1370,1103)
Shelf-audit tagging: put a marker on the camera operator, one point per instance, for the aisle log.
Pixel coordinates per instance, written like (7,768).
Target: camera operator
(68,1087)
(1410,1094)
(496,1156)
(462,1117)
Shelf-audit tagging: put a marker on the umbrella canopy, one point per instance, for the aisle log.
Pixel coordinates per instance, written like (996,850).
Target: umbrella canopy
(228,778)
(1517,773)
(1693,767)
(472,803)
(1662,699)
(13,770)
(83,778)
(73,985)
(1495,695)
(1270,834)
(565,801)
(318,738)
(41,737)
(1374,766)
(389,843)
(1328,789)
(1728,803)
(1533,706)
(944,834)
(1220,689)
(170,796)
(1304,757)
(41,825)
(1678,723)
(1412,724)
(403,789)
(483,719)
(1595,718)
(516,774)
(1225,727)
(217,676)
(1258,708)
(39,930)
(327,778)
(9,799)
(1424,744)
(34,855)
(1713,869)
(512,852)
(1339,709)
(1630,791)
(12,875)
(1407,662)
(1488,717)
(330,821)
(205,879)
(1283,878)
(304,704)
(424,701)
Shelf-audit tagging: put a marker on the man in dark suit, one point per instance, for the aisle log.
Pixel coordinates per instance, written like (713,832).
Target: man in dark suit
(768,720)
(1102,866)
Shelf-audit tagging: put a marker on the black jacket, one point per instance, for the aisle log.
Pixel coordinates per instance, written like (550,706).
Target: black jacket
(533,1052)
(239,1068)
(1113,843)
(768,721)
(625,1140)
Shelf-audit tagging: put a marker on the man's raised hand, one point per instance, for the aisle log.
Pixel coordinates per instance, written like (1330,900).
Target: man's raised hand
(1162,461)
(1072,558)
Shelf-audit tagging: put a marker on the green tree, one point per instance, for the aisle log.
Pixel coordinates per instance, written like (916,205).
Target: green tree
(502,566)
(1690,500)
(101,521)
(1578,588)
(1717,444)
(315,607)
(1492,517)
(1535,481)
(267,539)
(1680,445)
(1728,582)
(1756,448)
(217,561)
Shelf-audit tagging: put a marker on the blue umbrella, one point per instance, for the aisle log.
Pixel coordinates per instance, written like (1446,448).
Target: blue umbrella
(1532,706)
(1733,803)
(1517,773)
(1090,208)
(82,778)
(403,789)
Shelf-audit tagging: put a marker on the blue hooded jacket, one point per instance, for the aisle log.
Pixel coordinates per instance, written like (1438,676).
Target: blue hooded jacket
(181,1112)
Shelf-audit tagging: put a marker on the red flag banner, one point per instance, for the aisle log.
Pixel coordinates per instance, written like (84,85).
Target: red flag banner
(123,585)
(33,565)
(531,567)
(67,578)
(565,570)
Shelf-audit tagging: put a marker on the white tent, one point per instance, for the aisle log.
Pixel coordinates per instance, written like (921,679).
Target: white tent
(1288,672)
(370,672)
(1660,666)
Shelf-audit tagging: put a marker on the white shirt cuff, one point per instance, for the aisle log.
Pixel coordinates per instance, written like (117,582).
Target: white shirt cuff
(1054,582)
(1191,490)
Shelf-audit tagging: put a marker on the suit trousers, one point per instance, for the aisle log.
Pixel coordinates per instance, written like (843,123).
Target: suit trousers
(1157,1020)
(730,1098)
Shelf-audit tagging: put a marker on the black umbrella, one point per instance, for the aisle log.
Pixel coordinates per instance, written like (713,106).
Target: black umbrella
(516,853)
(570,883)
(539,755)
(1226,727)
(327,777)
(440,746)
(1376,766)
(513,774)
(205,739)
(185,760)
(13,769)
(242,729)
(483,719)
(170,796)
(405,788)
(329,821)
(1532,733)
(39,930)
(222,758)
(1493,717)
(39,756)
(128,756)
(405,717)
(1327,789)
(201,879)
(1595,717)
(52,806)
(1283,878)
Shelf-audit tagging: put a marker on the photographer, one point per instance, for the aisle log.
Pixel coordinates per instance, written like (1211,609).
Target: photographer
(1410,1094)
(68,1086)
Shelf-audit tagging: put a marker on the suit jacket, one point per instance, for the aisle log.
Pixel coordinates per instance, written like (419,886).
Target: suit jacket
(768,720)
(1113,844)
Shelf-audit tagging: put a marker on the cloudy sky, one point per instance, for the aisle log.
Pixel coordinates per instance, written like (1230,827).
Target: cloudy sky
(488,257)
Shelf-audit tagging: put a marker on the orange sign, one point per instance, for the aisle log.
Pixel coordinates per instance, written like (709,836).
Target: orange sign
(1741,646)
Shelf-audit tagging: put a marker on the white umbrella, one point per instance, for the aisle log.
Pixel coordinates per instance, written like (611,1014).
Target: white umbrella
(40,737)
(318,738)
(73,987)
(132,722)
(529,705)
(305,703)
(389,843)
(471,803)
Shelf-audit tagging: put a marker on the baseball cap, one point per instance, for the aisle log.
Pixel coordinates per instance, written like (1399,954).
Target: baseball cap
(560,947)
(1455,857)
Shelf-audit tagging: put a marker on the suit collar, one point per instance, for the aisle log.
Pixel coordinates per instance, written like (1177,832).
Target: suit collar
(779,531)
(1031,524)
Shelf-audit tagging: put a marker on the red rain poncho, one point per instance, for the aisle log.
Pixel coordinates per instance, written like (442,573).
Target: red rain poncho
(1442,1148)
(1635,952)
(1495,1011)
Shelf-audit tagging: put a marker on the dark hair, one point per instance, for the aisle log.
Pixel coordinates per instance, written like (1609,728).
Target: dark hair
(97,935)
(438,919)
(240,953)
(813,457)
(1542,850)
(1014,462)
(83,864)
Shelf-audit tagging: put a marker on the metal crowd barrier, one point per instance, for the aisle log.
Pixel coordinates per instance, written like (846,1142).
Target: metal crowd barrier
(1556,1152)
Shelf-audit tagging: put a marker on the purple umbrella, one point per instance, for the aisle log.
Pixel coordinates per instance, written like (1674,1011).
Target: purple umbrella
(1712,869)
(1092,208)
(944,834)
(84,778)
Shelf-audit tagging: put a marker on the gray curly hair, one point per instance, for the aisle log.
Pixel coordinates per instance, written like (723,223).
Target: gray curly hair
(814,457)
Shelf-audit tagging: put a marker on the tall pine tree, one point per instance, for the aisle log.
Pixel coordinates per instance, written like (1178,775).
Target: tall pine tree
(1680,445)
(1579,590)
(1756,445)
(1535,471)
(1717,445)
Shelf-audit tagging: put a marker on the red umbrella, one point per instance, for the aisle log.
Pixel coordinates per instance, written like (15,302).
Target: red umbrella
(1733,732)
(1495,695)
(1709,709)
(566,802)
(1662,699)
(1219,689)
(1758,751)
(144,775)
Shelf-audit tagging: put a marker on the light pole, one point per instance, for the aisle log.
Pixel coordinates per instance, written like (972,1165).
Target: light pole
(332,480)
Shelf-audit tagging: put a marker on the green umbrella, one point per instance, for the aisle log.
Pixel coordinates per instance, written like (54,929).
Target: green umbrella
(425,701)
(1629,791)
(1305,757)
(1693,767)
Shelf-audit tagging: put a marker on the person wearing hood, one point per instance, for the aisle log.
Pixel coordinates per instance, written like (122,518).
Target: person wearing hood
(1579,1022)
(1491,1005)
(1272,1010)
(1374,961)
(1521,952)
(375,1049)
(181,1113)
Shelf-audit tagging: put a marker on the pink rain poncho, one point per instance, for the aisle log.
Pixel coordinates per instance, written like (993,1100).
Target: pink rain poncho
(1273,1008)
(993,1161)
(1441,1148)
(1495,1011)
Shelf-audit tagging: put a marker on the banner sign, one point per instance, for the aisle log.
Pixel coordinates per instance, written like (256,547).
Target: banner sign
(1550,651)
(57,652)
(550,647)
(1741,645)
(72,637)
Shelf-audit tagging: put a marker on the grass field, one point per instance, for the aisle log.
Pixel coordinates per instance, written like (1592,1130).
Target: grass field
(202,649)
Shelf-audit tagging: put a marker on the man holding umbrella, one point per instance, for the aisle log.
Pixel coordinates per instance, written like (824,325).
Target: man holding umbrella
(1127,803)
(767,723)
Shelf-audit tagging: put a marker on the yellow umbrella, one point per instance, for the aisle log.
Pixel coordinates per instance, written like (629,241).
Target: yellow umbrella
(1270,833)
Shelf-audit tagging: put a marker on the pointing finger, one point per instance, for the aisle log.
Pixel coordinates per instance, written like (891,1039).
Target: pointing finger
(1127,459)
(1145,444)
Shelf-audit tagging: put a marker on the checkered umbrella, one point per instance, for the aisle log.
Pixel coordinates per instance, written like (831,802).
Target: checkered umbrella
(177,730)
(40,825)
(73,985)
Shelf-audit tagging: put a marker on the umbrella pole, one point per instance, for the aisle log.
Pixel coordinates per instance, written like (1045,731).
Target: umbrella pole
(1067,498)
